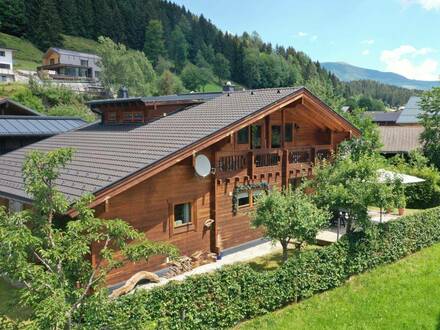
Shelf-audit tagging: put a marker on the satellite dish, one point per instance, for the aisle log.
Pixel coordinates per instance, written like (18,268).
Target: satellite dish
(202,165)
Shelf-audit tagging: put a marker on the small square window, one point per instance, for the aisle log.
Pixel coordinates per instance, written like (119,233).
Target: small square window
(288,132)
(243,199)
(84,63)
(2,53)
(243,136)
(182,214)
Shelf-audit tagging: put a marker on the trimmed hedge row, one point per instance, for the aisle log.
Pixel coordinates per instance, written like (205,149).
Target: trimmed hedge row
(235,293)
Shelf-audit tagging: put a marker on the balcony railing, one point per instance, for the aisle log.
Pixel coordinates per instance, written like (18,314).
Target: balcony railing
(232,164)
(296,162)
(266,161)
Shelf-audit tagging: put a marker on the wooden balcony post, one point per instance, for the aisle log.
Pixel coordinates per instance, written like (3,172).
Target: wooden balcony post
(251,165)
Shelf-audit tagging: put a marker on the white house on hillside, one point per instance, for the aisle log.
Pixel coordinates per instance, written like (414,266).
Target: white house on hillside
(6,65)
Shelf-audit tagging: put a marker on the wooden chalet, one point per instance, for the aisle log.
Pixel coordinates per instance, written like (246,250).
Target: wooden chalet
(139,162)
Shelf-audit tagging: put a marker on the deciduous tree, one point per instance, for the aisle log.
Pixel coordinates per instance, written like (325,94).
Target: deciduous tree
(289,216)
(430,118)
(50,255)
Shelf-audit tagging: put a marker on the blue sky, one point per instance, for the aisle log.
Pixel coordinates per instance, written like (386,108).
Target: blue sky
(401,36)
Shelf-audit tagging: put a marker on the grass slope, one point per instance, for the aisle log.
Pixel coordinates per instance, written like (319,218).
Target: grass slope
(80,44)
(403,295)
(26,55)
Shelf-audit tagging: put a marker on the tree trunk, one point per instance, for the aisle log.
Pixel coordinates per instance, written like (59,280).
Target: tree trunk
(284,245)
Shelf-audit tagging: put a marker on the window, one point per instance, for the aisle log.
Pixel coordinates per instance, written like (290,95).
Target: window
(276,136)
(243,199)
(2,53)
(138,117)
(52,61)
(133,117)
(5,66)
(84,63)
(288,132)
(243,136)
(182,214)
(111,117)
(256,137)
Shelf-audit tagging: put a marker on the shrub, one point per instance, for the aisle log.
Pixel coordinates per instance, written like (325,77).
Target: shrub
(235,293)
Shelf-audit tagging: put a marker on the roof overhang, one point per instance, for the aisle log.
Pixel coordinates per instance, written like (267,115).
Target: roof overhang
(133,179)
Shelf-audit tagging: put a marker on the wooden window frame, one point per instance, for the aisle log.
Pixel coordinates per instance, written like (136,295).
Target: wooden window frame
(280,136)
(247,139)
(129,117)
(290,138)
(184,228)
(252,139)
(240,207)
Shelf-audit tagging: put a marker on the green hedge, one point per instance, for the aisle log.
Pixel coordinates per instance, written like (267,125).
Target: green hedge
(233,294)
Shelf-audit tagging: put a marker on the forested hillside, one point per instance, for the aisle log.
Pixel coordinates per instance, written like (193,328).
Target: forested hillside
(173,39)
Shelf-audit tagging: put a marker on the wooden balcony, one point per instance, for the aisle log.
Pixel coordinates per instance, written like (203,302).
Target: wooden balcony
(266,163)
(299,162)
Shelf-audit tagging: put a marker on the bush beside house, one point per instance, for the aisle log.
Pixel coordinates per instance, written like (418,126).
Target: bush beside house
(235,293)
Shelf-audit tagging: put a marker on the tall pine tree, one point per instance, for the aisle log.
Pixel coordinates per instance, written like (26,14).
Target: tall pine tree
(49,26)
(154,45)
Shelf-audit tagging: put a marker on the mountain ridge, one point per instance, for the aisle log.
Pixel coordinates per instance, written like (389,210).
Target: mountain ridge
(349,72)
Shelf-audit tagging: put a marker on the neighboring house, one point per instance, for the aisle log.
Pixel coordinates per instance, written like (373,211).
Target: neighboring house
(21,126)
(70,65)
(186,169)
(399,130)
(6,65)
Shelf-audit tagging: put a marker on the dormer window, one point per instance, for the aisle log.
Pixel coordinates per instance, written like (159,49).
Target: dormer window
(133,117)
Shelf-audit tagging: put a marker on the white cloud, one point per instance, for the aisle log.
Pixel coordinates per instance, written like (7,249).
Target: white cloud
(430,4)
(367,42)
(426,4)
(302,34)
(406,61)
(365,52)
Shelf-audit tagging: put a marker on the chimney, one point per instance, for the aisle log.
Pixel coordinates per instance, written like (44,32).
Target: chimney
(123,93)
(228,87)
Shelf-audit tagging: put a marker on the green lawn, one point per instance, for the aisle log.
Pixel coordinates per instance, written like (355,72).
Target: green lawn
(403,295)
(272,261)
(9,302)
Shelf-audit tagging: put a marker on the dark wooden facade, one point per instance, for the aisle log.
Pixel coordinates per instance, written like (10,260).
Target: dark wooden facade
(290,140)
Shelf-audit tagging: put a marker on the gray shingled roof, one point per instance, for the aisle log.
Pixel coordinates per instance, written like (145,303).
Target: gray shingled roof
(196,97)
(37,125)
(397,139)
(383,116)
(411,112)
(106,155)
(73,53)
